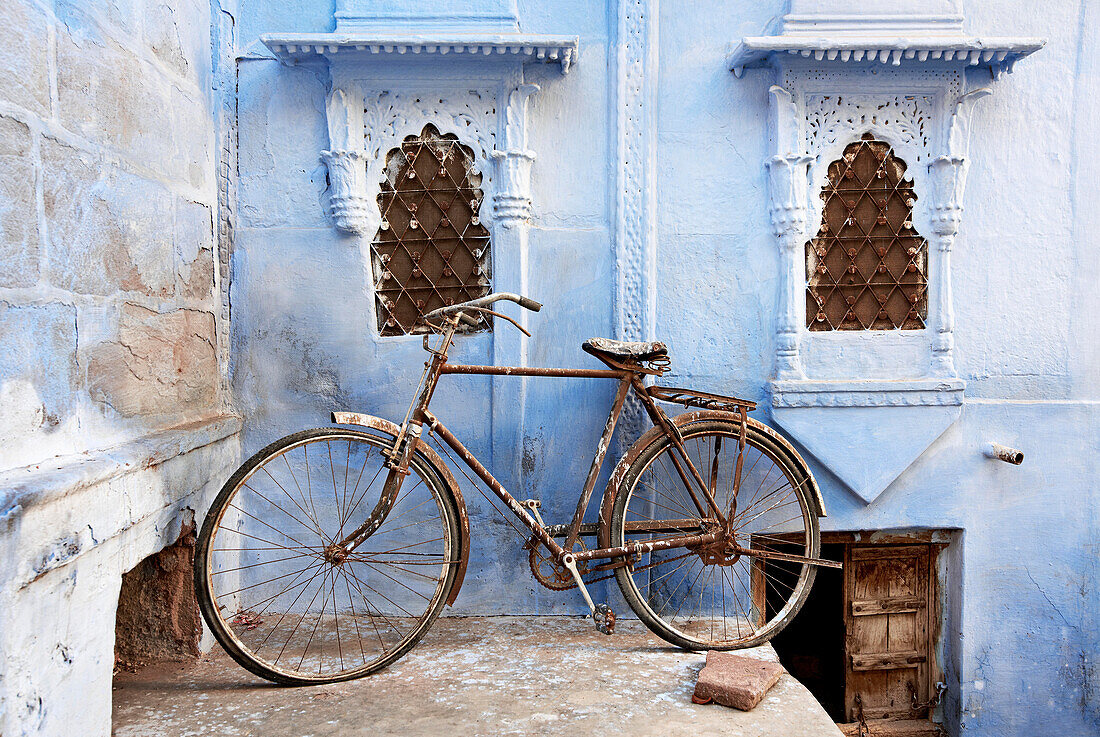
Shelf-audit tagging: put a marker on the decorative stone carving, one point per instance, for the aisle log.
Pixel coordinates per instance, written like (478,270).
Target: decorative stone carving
(926,392)
(524,48)
(635,209)
(348,203)
(830,119)
(947,174)
(512,201)
(845,71)
(787,187)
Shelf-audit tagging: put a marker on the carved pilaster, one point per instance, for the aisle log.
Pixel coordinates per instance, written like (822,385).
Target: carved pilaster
(512,201)
(788,173)
(635,226)
(947,174)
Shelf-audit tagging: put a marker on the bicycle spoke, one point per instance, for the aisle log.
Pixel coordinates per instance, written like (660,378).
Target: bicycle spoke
(315,614)
(717,595)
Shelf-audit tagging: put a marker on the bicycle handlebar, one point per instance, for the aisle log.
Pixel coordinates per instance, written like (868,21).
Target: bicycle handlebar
(525,302)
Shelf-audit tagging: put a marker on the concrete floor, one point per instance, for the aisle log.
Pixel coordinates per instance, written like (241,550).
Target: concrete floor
(470,676)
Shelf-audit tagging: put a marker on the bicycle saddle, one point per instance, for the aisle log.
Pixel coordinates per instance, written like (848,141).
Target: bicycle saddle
(622,350)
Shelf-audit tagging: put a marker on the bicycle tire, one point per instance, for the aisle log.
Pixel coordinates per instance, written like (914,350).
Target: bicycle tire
(234,628)
(639,582)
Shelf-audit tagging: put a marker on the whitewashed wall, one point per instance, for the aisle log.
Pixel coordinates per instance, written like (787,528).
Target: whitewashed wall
(114,422)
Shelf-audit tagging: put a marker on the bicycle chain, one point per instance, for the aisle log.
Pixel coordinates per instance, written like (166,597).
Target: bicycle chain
(534,558)
(560,579)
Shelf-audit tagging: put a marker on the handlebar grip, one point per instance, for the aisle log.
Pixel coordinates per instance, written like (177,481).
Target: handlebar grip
(530,304)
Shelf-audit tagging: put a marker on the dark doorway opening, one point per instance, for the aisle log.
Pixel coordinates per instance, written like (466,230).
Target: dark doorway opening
(865,641)
(811,647)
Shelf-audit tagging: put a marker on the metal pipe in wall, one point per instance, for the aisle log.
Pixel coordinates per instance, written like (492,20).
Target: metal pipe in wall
(1003,453)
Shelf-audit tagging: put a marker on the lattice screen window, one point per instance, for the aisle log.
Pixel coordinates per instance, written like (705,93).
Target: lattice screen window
(867,269)
(431,248)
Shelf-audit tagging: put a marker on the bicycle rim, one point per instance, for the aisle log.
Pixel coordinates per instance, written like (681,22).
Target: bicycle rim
(704,597)
(289,612)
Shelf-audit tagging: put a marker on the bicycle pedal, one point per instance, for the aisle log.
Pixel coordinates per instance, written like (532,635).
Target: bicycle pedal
(604,619)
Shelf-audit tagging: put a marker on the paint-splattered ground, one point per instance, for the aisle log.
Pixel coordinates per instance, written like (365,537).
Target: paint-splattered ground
(470,676)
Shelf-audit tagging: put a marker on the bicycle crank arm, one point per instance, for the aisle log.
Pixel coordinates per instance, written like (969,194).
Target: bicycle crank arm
(774,555)
(601,613)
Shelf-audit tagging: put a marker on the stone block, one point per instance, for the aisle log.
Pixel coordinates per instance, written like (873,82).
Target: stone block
(108,230)
(24,56)
(19,245)
(160,364)
(120,18)
(178,33)
(191,156)
(108,95)
(735,680)
(38,369)
(194,242)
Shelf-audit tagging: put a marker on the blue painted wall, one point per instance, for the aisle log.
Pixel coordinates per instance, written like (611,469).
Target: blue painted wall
(1020,637)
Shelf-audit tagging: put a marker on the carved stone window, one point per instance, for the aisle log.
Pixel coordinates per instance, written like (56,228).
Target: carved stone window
(431,248)
(867,268)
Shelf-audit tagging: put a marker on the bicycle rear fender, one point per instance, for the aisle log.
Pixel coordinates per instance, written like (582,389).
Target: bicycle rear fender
(391,429)
(683,421)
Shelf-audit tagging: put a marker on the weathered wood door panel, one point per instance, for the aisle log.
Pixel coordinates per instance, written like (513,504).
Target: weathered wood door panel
(888,597)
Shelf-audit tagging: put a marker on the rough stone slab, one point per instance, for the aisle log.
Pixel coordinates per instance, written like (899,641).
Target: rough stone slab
(194,240)
(106,227)
(24,56)
(735,680)
(159,364)
(18,207)
(472,676)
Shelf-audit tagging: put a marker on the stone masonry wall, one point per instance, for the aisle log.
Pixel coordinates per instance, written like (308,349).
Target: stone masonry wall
(114,421)
(108,286)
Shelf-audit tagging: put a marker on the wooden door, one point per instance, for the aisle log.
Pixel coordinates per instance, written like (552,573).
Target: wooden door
(887,598)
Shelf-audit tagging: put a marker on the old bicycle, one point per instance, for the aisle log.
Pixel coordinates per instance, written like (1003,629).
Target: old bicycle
(330,552)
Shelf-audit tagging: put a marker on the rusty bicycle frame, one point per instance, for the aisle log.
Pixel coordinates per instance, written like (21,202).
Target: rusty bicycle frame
(630,376)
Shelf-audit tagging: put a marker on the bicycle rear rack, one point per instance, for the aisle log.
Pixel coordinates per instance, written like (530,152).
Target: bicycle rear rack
(692,398)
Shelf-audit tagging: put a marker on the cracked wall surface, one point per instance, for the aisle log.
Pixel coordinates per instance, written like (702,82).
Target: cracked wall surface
(114,412)
(1019,658)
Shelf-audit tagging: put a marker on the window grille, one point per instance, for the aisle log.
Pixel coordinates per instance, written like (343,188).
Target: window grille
(431,249)
(867,268)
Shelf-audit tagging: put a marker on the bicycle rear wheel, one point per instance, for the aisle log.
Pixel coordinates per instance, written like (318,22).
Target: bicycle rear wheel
(284,608)
(714,596)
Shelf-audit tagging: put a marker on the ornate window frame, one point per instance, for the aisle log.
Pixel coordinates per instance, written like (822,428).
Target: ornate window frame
(385,87)
(821,103)
(867,403)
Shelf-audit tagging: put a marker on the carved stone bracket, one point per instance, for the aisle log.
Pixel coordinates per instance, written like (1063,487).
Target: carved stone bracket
(349,205)
(512,201)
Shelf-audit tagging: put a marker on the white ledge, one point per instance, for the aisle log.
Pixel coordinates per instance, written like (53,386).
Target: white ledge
(868,393)
(23,488)
(292,49)
(999,54)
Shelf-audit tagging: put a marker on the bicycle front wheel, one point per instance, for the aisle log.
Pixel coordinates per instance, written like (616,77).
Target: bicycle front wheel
(271,590)
(729,594)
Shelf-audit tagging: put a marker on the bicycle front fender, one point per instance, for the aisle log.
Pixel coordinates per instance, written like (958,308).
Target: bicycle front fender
(386,427)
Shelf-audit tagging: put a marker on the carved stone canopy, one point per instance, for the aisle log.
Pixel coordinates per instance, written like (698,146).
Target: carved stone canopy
(376,47)
(897,33)
(867,403)
(387,85)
